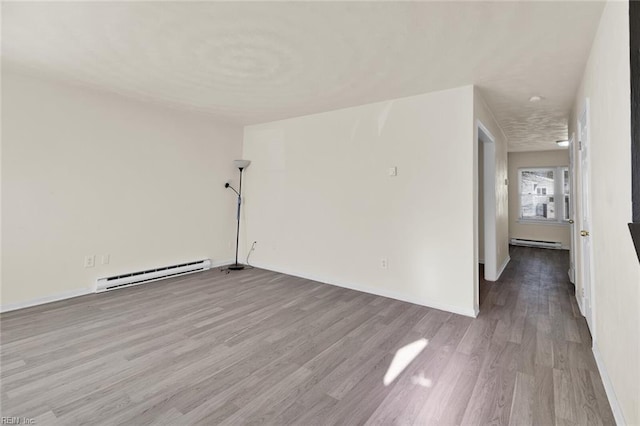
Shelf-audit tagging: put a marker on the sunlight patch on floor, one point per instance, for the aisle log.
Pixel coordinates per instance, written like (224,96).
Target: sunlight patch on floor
(421,380)
(403,357)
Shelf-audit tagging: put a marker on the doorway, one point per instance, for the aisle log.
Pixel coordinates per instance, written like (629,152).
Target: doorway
(486,206)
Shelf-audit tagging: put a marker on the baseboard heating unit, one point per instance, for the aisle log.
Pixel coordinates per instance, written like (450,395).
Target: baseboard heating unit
(155,274)
(535,243)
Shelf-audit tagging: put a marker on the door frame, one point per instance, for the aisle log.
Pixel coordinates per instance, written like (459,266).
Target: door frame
(489,202)
(485,137)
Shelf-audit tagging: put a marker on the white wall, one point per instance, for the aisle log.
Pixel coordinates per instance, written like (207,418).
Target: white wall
(498,149)
(86,172)
(616,278)
(320,204)
(535,231)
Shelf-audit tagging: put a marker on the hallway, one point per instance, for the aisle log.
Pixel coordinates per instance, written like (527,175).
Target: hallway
(533,309)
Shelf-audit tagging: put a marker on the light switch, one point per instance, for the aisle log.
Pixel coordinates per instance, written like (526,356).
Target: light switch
(393,171)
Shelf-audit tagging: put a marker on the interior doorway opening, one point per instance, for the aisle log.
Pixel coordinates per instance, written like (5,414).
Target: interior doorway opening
(486,249)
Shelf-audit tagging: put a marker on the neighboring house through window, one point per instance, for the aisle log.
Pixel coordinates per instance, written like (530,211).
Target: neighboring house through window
(541,192)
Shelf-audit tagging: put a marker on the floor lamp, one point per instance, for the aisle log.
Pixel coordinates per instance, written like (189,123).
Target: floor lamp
(241,165)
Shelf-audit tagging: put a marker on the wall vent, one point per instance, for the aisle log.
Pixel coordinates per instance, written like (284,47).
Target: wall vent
(536,243)
(155,274)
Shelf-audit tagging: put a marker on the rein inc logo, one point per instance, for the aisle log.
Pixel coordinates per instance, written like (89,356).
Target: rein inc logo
(17,420)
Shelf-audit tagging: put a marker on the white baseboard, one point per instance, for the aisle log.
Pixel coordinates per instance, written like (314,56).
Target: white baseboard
(378,292)
(74,293)
(608,387)
(47,299)
(579,301)
(222,263)
(503,267)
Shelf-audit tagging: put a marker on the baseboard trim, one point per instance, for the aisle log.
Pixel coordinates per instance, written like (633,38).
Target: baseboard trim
(222,263)
(74,293)
(375,291)
(608,387)
(47,299)
(579,301)
(503,267)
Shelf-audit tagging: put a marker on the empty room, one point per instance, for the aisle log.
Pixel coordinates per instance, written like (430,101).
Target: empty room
(320,213)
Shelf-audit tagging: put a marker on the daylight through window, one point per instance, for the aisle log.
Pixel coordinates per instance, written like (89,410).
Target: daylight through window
(544,194)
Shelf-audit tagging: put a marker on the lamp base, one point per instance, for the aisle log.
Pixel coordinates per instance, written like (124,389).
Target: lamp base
(235,267)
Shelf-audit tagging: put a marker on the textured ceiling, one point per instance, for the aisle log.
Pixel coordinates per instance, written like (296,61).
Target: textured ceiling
(256,62)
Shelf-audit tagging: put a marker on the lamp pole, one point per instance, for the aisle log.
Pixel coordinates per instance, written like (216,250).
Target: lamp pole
(241,165)
(236,266)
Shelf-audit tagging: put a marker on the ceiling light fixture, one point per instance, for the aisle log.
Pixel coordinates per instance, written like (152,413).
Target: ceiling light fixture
(563,143)
(535,99)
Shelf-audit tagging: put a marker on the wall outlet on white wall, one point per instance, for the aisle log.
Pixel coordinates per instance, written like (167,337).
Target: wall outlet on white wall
(104,259)
(90,261)
(384,263)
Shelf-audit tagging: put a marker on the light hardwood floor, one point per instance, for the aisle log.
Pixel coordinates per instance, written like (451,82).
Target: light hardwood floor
(256,347)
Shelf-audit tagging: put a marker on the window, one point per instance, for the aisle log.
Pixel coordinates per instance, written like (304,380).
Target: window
(539,189)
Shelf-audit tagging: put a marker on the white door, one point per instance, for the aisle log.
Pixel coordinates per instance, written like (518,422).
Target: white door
(585,217)
(572,214)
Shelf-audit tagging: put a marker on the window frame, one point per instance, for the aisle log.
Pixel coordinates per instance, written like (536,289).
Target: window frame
(558,196)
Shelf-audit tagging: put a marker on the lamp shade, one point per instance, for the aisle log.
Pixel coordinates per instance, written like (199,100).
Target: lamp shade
(241,164)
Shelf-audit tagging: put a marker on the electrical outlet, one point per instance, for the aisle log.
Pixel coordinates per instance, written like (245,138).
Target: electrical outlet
(104,259)
(90,261)
(384,263)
